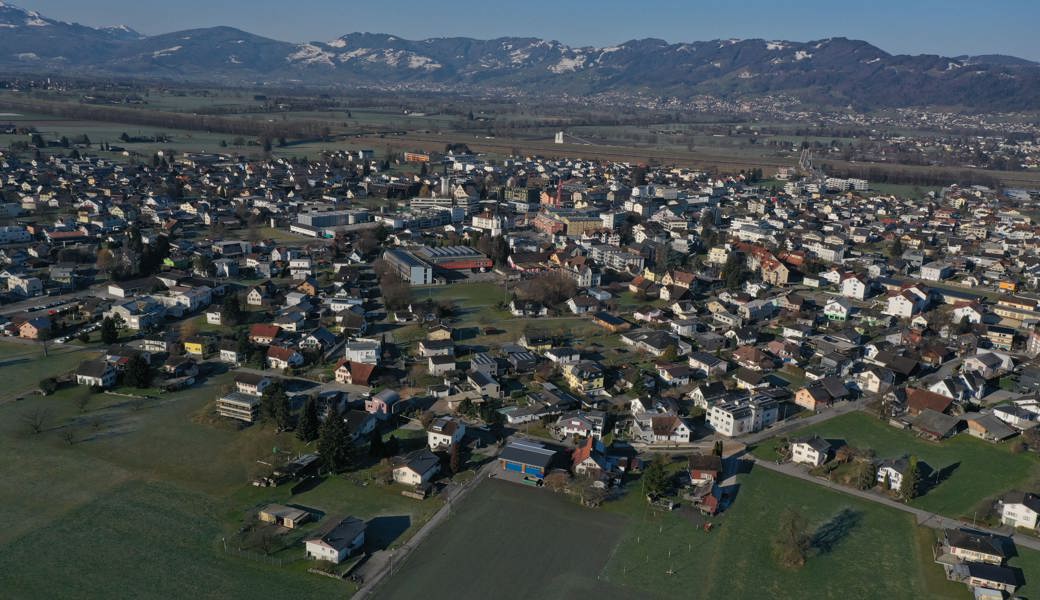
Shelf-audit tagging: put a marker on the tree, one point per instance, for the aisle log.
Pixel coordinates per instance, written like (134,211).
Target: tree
(734,272)
(910,487)
(138,374)
(792,542)
(109,333)
(36,420)
(454,460)
(271,401)
(308,428)
(655,478)
(895,249)
(106,261)
(376,447)
(231,310)
(334,443)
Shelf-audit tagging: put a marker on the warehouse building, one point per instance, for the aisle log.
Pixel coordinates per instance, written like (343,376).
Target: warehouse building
(454,258)
(526,459)
(408,267)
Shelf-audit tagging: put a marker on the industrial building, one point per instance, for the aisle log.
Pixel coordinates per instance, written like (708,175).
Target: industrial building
(454,258)
(408,267)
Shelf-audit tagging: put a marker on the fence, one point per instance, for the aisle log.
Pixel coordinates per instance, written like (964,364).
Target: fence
(271,560)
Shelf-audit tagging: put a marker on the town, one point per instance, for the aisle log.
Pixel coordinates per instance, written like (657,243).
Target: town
(439,324)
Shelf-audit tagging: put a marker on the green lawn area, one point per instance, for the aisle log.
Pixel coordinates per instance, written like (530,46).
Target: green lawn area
(980,470)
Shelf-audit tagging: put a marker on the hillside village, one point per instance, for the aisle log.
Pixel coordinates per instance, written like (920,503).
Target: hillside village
(564,324)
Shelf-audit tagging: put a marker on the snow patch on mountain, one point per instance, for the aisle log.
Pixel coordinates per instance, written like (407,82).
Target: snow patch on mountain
(802,55)
(309,54)
(166,51)
(568,64)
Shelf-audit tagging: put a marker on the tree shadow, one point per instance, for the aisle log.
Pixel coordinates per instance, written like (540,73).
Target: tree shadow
(831,533)
(931,478)
(382,531)
(307,485)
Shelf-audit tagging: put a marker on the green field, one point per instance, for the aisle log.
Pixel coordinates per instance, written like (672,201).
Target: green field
(980,470)
(132,499)
(22,365)
(546,546)
(506,541)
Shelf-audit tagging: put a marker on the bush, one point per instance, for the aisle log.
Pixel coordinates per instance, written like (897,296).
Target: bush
(48,386)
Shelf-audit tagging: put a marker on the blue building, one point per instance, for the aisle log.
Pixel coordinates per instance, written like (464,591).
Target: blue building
(528,459)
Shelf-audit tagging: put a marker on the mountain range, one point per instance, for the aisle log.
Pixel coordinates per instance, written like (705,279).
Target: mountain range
(832,72)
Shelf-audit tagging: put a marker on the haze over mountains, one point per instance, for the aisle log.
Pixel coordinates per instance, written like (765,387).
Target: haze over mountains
(834,72)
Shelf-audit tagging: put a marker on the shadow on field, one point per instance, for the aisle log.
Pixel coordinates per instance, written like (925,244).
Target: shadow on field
(831,533)
(382,531)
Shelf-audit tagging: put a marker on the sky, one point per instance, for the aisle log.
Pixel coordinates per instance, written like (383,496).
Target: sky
(947,27)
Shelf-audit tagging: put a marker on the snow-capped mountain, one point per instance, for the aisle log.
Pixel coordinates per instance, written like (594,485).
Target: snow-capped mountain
(835,71)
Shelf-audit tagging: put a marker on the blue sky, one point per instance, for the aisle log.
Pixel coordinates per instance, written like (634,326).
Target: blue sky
(947,27)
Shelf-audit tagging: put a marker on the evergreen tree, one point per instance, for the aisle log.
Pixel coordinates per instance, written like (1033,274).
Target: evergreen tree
(232,309)
(655,478)
(334,443)
(271,401)
(454,460)
(911,485)
(109,333)
(376,447)
(138,374)
(283,412)
(308,428)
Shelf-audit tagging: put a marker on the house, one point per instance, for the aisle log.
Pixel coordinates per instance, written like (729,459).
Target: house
(354,373)
(214,317)
(383,404)
(440,365)
(279,357)
(417,468)
(753,359)
(706,365)
(837,309)
(96,373)
(428,348)
(976,546)
(987,364)
(988,427)
(484,384)
(649,428)
(812,451)
(581,424)
(812,397)
(343,540)
(444,432)
(935,425)
(1020,509)
(284,516)
(527,459)
(198,346)
(36,328)
(890,472)
(674,374)
(918,400)
(251,383)
(363,350)
(522,308)
(588,459)
(563,355)
(236,405)
(737,417)
(705,468)
(263,334)
(585,377)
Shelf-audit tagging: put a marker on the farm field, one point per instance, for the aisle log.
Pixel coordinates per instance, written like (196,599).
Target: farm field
(977,471)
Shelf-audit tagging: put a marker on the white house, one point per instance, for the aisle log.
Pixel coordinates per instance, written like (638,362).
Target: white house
(417,468)
(837,309)
(890,472)
(737,417)
(96,373)
(344,539)
(812,451)
(853,286)
(1020,509)
(445,432)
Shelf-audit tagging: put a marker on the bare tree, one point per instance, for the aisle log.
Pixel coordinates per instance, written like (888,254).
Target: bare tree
(36,419)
